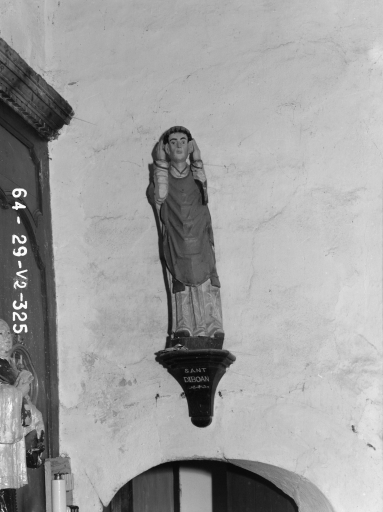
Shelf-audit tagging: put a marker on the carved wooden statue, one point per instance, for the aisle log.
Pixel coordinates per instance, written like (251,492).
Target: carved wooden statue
(18,414)
(187,236)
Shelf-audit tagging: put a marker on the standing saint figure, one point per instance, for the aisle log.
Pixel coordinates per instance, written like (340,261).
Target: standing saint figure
(187,236)
(18,417)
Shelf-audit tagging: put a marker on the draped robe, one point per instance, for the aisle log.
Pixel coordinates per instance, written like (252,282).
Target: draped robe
(188,246)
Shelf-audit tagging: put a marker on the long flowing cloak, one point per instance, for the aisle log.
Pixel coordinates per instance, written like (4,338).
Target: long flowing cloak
(188,241)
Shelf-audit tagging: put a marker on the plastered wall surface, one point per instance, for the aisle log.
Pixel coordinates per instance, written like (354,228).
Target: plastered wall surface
(22,26)
(284,100)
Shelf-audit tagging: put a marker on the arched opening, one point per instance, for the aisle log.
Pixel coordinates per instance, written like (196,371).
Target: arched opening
(200,486)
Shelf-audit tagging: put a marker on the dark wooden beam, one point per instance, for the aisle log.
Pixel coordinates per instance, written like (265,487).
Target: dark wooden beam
(28,94)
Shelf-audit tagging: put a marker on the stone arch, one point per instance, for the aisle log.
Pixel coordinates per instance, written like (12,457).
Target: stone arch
(305,494)
(273,439)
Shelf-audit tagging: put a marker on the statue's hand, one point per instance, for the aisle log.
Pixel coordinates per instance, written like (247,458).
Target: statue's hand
(160,150)
(23,381)
(195,152)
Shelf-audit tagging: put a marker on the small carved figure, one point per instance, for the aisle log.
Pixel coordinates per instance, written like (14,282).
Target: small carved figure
(19,415)
(187,236)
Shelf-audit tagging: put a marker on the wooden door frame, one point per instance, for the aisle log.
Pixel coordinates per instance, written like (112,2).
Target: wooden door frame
(40,113)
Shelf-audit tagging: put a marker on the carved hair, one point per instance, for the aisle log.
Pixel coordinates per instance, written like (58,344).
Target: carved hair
(176,129)
(3,323)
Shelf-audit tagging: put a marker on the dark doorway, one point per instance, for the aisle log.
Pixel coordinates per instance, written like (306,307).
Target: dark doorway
(200,486)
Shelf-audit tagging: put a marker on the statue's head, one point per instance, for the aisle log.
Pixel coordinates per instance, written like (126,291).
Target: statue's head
(5,339)
(177,143)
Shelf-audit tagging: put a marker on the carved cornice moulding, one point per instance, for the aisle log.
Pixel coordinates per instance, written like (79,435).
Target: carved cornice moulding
(28,94)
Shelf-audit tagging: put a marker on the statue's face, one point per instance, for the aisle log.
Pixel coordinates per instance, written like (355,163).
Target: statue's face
(5,339)
(178,147)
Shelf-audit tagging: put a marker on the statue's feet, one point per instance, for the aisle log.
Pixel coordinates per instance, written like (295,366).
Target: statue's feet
(219,335)
(182,333)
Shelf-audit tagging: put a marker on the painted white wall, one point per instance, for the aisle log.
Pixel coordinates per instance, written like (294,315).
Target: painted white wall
(196,489)
(22,26)
(284,99)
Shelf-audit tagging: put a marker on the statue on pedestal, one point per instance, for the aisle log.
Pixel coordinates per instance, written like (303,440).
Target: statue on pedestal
(195,357)
(187,236)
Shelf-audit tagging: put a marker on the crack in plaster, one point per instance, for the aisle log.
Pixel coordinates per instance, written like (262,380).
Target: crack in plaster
(130,162)
(101,218)
(182,77)
(254,233)
(272,48)
(369,343)
(93,486)
(247,137)
(331,41)
(83,120)
(139,239)
(104,148)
